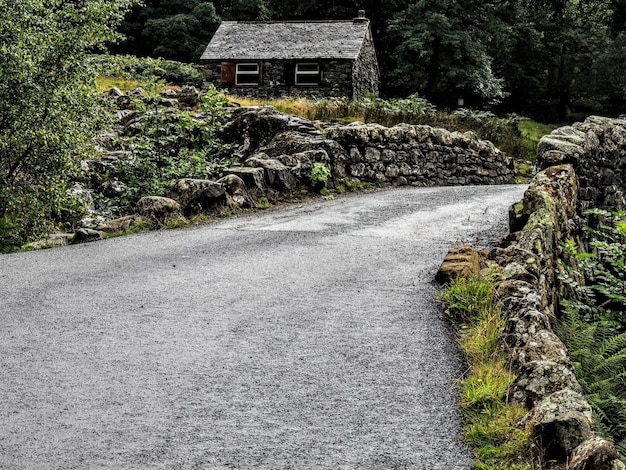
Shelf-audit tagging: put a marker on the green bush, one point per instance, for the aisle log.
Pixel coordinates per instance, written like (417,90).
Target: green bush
(48,110)
(320,174)
(170,146)
(140,68)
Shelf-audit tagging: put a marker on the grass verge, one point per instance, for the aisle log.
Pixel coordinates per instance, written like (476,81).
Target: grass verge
(491,427)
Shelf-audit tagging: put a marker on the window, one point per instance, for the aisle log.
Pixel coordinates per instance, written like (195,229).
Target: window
(307,74)
(247,74)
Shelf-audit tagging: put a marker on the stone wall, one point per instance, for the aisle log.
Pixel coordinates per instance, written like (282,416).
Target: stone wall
(402,155)
(597,150)
(581,166)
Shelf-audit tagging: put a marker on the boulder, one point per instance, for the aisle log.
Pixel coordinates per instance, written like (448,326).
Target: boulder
(158,207)
(190,96)
(459,262)
(196,196)
(236,188)
(277,175)
(254,178)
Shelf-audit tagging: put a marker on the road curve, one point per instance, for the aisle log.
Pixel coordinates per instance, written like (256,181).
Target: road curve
(304,338)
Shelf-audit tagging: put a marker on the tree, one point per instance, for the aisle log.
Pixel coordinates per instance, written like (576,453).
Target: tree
(441,51)
(175,29)
(47,110)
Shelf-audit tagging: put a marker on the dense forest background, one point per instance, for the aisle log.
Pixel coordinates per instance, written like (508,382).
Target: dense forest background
(549,59)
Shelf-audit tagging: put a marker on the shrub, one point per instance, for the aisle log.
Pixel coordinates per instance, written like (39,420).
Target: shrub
(48,110)
(140,68)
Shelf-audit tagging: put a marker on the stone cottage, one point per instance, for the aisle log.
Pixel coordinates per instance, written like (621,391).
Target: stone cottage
(294,58)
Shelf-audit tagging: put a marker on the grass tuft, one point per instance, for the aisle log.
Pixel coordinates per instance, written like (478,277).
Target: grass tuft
(491,423)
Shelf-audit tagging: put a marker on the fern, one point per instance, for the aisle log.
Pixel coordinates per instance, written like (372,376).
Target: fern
(599,356)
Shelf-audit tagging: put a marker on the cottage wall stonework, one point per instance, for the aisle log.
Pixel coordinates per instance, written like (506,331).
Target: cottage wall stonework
(278,80)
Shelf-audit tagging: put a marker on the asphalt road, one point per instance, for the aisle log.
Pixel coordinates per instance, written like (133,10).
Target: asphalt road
(304,338)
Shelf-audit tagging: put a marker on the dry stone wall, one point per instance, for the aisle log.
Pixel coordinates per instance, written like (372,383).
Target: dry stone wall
(405,154)
(581,166)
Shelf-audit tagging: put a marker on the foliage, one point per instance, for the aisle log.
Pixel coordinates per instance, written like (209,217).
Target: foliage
(490,423)
(47,111)
(168,146)
(597,280)
(443,53)
(140,69)
(532,132)
(177,30)
(599,357)
(319,174)
(593,325)
(547,59)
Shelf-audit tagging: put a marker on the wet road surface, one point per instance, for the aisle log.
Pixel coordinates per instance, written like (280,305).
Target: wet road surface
(305,337)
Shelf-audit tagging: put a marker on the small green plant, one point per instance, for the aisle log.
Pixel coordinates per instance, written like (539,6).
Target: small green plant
(490,422)
(354,185)
(263,203)
(320,174)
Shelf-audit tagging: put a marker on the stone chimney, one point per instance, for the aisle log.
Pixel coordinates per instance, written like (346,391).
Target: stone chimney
(360,18)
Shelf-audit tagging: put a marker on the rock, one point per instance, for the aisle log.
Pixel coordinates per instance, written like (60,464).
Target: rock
(543,345)
(84,235)
(112,189)
(158,207)
(277,175)
(459,262)
(121,224)
(189,95)
(539,379)
(595,454)
(253,177)
(169,102)
(196,196)
(568,152)
(115,92)
(236,188)
(53,240)
(560,423)
(523,325)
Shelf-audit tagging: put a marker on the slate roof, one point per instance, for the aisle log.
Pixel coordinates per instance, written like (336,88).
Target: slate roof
(256,40)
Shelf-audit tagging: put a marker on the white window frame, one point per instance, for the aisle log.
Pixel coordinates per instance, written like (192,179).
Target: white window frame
(302,75)
(254,72)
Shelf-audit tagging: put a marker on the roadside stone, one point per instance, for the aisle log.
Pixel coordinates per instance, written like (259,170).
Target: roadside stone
(538,379)
(253,177)
(543,345)
(158,207)
(120,224)
(277,175)
(459,262)
(85,235)
(560,423)
(196,196)
(236,188)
